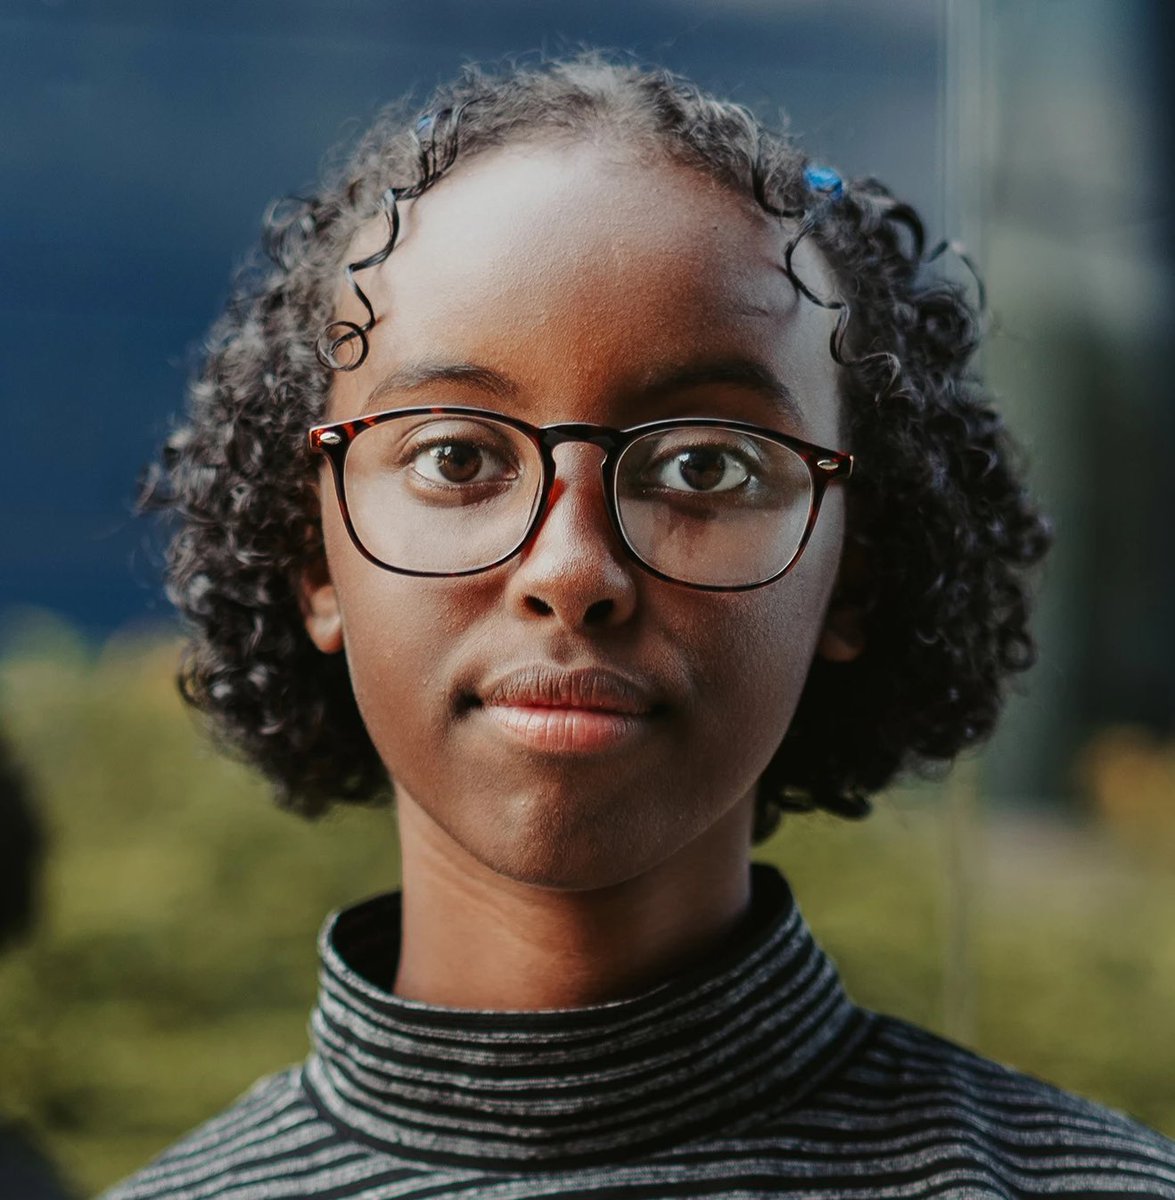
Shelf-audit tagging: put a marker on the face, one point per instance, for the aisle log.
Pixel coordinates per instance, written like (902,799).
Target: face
(565,718)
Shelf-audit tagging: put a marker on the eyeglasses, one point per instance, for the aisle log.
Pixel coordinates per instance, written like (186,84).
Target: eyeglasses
(718,505)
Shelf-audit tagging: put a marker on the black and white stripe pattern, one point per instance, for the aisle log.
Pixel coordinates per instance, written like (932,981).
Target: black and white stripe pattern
(751,1076)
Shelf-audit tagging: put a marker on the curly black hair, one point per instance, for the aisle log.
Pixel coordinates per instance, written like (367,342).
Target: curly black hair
(939,516)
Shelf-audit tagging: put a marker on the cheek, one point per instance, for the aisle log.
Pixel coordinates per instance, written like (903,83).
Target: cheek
(397,634)
(759,648)
(398,640)
(766,656)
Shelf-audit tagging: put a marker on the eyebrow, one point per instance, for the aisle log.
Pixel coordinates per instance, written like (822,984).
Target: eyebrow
(413,376)
(744,373)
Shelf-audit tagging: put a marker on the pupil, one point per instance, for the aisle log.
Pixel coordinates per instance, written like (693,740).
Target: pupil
(701,469)
(457,463)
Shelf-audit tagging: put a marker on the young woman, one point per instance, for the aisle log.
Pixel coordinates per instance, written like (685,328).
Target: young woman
(606,478)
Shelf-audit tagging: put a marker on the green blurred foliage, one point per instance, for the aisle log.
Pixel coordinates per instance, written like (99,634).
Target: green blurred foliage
(174,961)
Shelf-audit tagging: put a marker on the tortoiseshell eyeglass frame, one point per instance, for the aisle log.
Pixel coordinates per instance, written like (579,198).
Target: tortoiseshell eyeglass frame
(333,440)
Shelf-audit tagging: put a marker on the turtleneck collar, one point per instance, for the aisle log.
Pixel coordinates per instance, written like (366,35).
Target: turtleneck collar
(712,1050)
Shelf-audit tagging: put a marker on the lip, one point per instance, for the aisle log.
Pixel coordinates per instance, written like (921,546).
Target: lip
(561,711)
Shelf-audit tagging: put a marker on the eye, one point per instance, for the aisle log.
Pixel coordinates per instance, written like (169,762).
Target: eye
(457,462)
(459,457)
(700,468)
(704,470)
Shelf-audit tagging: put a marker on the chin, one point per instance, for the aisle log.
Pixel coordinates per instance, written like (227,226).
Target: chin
(552,843)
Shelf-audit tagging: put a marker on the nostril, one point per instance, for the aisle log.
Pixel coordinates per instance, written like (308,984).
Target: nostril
(599,613)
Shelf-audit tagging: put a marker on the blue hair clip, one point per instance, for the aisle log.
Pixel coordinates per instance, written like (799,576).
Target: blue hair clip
(824,180)
(428,122)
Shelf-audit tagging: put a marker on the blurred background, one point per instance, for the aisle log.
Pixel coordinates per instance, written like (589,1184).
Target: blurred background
(1024,905)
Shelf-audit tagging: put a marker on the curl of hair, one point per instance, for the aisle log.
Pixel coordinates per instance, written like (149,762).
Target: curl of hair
(939,519)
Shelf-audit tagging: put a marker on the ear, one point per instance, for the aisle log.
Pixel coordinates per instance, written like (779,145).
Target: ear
(320,608)
(843,637)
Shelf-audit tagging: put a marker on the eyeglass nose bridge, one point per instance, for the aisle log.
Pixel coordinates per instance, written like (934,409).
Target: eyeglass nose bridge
(603,437)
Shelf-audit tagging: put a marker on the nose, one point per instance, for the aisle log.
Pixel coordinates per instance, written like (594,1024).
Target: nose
(573,569)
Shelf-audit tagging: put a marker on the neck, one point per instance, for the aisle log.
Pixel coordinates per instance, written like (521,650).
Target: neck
(472,938)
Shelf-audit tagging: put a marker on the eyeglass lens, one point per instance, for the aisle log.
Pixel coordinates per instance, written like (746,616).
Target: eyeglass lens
(702,504)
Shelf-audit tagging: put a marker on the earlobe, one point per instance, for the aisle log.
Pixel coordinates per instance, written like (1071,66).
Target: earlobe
(843,637)
(320,609)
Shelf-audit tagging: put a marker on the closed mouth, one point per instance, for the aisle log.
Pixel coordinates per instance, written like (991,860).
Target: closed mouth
(540,687)
(552,711)
(588,689)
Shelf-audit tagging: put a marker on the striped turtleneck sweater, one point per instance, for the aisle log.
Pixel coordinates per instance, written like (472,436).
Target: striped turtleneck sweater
(751,1075)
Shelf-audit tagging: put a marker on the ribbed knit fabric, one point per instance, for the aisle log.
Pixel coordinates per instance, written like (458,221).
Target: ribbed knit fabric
(752,1075)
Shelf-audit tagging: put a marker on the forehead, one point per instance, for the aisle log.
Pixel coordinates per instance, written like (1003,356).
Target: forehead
(579,272)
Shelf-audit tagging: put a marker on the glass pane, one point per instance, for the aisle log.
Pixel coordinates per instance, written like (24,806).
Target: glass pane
(713,506)
(441,493)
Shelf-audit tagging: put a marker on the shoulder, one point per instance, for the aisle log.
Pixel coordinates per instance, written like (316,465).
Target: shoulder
(273,1121)
(1025,1135)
